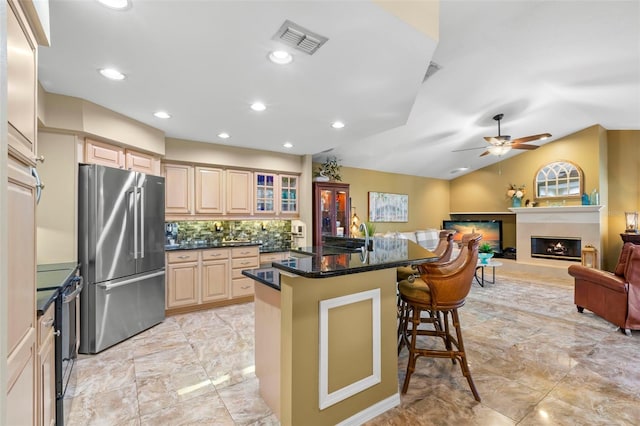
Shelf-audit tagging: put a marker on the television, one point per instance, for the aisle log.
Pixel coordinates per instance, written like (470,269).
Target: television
(491,231)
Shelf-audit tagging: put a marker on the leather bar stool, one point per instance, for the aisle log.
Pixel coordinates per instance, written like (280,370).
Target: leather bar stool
(441,290)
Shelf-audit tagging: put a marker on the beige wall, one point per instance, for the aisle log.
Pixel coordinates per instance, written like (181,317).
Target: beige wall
(608,159)
(224,155)
(56,212)
(422,15)
(624,185)
(428,198)
(74,115)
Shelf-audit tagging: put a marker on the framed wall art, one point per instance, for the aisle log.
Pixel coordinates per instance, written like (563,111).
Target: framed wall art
(386,207)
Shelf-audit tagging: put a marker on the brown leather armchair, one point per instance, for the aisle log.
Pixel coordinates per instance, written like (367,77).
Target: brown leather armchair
(612,296)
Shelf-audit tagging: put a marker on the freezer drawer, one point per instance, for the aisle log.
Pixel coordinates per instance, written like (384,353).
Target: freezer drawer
(119,309)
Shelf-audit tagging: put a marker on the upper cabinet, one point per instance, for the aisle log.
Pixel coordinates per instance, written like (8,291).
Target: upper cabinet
(21,84)
(209,190)
(239,193)
(96,152)
(288,194)
(275,194)
(106,154)
(202,192)
(178,188)
(265,193)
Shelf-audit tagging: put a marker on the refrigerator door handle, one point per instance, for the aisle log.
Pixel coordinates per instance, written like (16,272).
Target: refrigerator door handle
(135,223)
(142,222)
(108,287)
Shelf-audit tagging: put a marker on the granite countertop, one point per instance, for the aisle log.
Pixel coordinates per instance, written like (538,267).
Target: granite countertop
(333,260)
(49,278)
(203,246)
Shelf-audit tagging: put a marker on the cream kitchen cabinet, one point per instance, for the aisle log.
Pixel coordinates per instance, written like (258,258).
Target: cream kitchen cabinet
(209,190)
(178,187)
(141,162)
(273,257)
(243,258)
(21,294)
(202,279)
(239,195)
(183,278)
(288,192)
(46,374)
(106,154)
(275,194)
(214,275)
(22,83)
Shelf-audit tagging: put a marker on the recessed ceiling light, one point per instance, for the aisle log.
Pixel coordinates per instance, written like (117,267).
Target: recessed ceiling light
(223,135)
(258,106)
(112,74)
(337,124)
(287,145)
(280,57)
(459,169)
(115,4)
(162,114)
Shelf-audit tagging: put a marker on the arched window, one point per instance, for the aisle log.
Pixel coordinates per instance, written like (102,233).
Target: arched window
(560,179)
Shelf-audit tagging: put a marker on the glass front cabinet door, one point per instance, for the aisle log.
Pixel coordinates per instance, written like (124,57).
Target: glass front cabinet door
(275,194)
(288,194)
(265,192)
(330,211)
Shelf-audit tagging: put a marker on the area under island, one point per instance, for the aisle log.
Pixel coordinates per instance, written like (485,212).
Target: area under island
(325,331)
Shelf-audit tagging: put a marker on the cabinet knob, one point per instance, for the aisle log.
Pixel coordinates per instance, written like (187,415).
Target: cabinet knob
(245,287)
(183,257)
(48,323)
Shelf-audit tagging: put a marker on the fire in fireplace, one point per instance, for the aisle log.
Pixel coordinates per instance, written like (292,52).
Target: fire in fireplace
(562,248)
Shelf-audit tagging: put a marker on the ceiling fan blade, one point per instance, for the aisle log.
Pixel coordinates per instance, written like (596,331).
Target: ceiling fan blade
(485,153)
(469,149)
(524,146)
(531,138)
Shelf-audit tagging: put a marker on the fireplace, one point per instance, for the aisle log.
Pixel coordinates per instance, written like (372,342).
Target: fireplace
(583,222)
(561,248)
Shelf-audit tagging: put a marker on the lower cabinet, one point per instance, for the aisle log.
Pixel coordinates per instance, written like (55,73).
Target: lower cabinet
(243,258)
(47,367)
(215,275)
(273,257)
(201,279)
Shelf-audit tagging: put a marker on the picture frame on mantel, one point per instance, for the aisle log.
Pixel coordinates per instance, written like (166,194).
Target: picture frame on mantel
(388,207)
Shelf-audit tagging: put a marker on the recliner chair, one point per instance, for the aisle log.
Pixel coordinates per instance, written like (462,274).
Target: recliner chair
(612,296)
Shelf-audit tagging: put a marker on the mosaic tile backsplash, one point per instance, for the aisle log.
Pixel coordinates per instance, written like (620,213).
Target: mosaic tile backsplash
(269,233)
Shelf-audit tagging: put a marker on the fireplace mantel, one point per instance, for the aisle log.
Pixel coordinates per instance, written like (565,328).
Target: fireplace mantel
(556,209)
(584,222)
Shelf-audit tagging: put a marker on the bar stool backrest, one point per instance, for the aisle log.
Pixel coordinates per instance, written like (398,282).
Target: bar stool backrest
(450,282)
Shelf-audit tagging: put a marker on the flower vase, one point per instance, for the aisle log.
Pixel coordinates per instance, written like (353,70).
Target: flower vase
(484,258)
(516,202)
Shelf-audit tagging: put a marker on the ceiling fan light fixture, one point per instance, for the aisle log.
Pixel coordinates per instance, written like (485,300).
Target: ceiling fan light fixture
(499,149)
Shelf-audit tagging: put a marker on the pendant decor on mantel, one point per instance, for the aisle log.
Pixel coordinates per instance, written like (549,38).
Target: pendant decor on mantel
(516,202)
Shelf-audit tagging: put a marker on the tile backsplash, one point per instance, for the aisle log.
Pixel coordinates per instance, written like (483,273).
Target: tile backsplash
(270,233)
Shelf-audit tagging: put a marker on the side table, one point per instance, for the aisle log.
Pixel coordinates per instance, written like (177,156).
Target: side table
(493,264)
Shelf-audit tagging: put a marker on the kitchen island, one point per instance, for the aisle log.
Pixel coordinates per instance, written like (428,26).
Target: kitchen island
(325,331)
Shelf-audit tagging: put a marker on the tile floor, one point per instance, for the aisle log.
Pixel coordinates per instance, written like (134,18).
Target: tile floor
(534,359)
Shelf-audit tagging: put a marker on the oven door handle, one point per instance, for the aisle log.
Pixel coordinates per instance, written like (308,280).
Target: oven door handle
(108,287)
(69,297)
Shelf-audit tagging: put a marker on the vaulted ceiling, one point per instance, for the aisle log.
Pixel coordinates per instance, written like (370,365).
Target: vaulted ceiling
(552,66)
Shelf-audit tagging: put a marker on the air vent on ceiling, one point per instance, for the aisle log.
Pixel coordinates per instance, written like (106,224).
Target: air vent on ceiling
(433,68)
(300,38)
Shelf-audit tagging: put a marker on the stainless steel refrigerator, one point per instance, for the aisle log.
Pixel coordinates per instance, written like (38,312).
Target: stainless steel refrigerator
(121,251)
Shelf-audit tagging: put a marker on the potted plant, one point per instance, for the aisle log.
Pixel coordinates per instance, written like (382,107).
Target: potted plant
(485,252)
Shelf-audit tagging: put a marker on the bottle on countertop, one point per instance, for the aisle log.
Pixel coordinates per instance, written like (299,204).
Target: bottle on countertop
(585,199)
(595,197)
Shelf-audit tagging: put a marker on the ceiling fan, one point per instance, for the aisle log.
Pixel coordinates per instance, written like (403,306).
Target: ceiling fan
(501,144)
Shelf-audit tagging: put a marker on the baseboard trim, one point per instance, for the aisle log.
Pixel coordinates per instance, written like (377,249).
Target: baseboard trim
(373,411)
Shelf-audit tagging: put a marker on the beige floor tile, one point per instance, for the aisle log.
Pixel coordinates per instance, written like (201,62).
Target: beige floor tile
(535,361)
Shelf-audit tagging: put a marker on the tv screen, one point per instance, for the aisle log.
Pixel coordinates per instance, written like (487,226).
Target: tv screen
(491,231)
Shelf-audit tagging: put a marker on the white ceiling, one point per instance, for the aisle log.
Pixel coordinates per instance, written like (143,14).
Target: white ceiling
(552,66)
